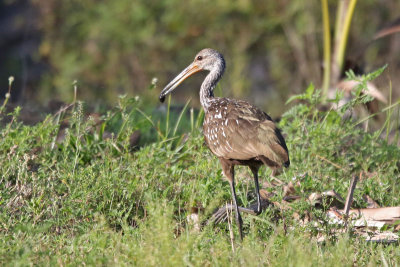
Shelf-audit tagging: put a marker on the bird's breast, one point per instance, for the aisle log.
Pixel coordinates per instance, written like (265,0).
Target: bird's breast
(217,132)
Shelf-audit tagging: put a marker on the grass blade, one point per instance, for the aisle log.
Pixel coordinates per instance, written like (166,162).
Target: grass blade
(180,117)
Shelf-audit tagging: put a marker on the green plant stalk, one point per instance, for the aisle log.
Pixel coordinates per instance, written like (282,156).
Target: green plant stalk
(345,34)
(8,94)
(341,9)
(180,118)
(160,134)
(125,122)
(396,136)
(191,119)
(373,115)
(77,110)
(340,14)
(327,47)
(199,118)
(4,104)
(389,113)
(167,120)
(75,91)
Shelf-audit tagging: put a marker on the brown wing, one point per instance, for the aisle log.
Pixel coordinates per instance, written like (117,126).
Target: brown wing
(238,130)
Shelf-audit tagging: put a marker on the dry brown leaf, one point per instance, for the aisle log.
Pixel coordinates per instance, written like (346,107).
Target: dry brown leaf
(276,181)
(371,204)
(334,194)
(336,213)
(281,205)
(315,198)
(374,217)
(303,221)
(387,214)
(193,220)
(291,198)
(296,216)
(288,189)
(273,183)
(381,237)
(348,85)
(264,194)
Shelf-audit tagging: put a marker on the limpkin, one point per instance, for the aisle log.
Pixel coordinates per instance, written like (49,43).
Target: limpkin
(235,131)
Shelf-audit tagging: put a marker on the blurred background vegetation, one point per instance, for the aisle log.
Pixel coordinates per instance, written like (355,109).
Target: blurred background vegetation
(273,49)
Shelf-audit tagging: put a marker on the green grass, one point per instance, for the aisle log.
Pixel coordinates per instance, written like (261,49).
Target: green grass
(91,200)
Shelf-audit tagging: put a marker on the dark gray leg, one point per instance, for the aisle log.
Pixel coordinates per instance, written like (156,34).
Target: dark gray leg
(239,220)
(228,170)
(255,174)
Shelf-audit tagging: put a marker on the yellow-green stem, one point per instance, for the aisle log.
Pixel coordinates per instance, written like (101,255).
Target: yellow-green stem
(345,34)
(327,46)
(340,12)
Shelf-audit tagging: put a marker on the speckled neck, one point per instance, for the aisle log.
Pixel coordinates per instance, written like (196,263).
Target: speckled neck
(209,83)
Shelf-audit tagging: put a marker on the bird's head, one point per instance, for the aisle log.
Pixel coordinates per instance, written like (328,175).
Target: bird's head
(206,60)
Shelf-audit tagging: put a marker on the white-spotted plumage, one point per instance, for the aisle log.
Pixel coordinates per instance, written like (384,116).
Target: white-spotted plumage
(235,131)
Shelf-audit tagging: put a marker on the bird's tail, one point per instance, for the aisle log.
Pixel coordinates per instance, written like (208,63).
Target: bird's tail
(286,164)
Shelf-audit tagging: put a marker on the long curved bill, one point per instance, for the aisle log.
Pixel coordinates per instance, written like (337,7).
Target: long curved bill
(186,73)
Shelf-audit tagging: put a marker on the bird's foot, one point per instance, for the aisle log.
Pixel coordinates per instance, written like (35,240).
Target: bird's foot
(221,214)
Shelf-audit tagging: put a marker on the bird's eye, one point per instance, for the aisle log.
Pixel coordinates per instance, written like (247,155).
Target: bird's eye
(199,58)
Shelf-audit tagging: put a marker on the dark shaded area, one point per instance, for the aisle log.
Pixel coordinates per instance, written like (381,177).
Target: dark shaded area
(19,43)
